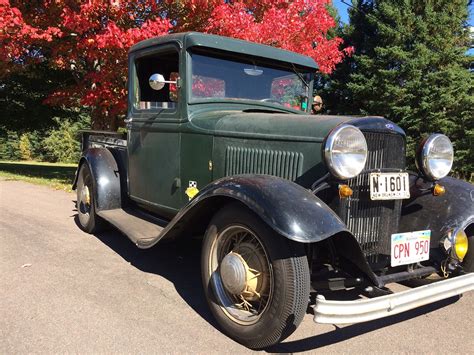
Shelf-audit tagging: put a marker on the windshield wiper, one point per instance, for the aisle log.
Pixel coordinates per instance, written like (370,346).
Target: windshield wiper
(300,76)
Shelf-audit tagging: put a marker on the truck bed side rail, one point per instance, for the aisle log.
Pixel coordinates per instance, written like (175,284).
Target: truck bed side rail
(102,139)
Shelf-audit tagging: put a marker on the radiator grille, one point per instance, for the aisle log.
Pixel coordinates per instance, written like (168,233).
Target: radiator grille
(386,151)
(372,222)
(287,165)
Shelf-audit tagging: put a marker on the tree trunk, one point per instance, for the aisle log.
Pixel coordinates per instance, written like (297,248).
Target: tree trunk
(104,122)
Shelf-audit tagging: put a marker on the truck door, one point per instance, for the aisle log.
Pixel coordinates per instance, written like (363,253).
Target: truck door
(153,131)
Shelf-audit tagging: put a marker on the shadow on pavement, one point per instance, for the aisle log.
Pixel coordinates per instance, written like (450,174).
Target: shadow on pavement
(351,331)
(64,174)
(179,262)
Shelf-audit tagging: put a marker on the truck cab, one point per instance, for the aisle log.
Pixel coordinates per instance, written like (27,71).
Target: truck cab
(173,132)
(221,143)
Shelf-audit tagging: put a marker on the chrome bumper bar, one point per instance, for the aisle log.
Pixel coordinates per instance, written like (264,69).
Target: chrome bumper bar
(344,312)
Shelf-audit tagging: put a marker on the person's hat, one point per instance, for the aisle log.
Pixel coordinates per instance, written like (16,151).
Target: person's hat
(317,100)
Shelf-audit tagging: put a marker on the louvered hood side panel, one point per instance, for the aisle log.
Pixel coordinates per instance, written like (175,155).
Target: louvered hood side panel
(284,164)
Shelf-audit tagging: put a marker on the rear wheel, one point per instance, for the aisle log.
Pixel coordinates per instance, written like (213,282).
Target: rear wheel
(89,221)
(256,281)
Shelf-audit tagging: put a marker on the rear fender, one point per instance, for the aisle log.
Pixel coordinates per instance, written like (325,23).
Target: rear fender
(106,177)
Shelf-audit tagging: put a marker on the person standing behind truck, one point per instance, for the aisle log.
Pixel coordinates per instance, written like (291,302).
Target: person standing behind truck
(317,104)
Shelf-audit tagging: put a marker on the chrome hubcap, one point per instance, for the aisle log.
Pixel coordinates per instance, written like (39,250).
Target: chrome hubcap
(85,196)
(84,201)
(241,274)
(233,272)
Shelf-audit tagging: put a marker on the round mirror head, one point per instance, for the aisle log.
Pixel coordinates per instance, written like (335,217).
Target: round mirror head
(157,81)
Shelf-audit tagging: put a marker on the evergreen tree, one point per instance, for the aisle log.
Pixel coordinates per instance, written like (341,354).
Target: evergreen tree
(23,95)
(410,65)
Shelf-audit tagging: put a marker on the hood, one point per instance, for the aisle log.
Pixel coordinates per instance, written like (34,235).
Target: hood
(280,126)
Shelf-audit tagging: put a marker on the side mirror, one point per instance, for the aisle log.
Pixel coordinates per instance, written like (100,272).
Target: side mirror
(157,81)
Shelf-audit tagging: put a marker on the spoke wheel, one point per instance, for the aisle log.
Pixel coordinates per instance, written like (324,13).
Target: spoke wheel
(256,282)
(241,274)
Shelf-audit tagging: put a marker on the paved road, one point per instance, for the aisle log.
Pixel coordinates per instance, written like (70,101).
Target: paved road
(64,291)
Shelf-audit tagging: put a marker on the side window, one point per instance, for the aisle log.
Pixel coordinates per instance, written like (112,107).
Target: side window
(166,64)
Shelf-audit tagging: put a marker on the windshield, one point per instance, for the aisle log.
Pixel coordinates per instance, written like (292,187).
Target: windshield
(249,79)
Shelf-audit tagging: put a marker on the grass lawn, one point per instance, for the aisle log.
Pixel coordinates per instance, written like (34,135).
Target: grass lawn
(55,175)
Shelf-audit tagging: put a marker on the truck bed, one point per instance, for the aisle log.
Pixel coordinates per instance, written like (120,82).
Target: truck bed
(103,139)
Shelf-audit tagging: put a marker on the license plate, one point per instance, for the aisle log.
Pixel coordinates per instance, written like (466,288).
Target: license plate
(411,247)
(389,186)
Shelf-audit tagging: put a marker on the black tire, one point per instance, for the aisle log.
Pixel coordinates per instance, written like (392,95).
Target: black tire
(89,221)
(286,280)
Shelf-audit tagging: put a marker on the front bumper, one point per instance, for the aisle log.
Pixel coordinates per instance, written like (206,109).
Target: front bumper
(344,312)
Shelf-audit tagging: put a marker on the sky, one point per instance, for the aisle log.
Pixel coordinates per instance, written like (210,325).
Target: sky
(342,9)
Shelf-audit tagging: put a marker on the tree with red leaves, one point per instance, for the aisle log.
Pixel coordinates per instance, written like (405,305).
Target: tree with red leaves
(89,40)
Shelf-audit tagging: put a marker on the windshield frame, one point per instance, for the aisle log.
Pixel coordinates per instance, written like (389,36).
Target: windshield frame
(253,103)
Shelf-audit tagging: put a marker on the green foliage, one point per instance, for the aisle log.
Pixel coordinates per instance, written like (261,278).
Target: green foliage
(410,66)
(58,144)
(36,140)
(9,146)
(23,95)
(32,129)
(25,147)
(62,144)
(122,130)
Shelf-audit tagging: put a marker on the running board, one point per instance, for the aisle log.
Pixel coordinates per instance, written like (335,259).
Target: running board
(139,228)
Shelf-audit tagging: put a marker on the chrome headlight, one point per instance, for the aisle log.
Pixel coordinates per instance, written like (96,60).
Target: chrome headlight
(345,151)
(435,156)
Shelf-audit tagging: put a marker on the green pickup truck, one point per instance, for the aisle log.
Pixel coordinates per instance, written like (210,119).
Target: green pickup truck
(292,208)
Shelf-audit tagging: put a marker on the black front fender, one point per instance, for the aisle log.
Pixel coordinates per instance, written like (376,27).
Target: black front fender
(454,209)
(289,209)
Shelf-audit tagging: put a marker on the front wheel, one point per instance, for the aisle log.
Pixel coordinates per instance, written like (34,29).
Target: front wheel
(256,281)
